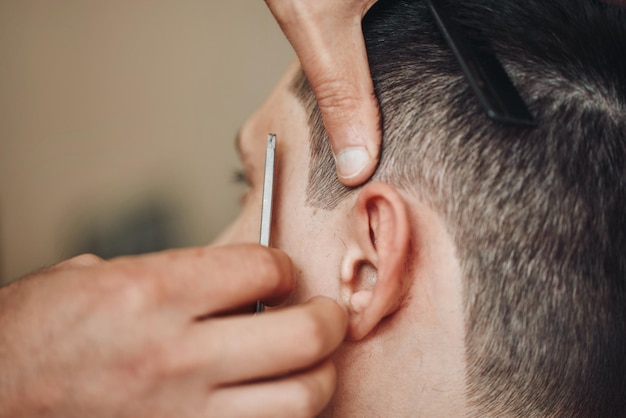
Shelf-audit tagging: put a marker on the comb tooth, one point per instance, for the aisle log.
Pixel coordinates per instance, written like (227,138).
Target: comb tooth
(488,79)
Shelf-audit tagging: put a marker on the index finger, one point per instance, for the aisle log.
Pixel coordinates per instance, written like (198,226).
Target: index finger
(210,280)
(279,341)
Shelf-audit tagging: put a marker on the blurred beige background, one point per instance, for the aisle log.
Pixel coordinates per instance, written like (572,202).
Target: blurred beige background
(111,111)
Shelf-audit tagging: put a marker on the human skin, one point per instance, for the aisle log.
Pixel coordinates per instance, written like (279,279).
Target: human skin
(327,38)
(165,335)
(404,353)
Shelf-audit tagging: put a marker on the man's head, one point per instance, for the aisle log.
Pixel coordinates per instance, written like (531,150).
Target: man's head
(491,253)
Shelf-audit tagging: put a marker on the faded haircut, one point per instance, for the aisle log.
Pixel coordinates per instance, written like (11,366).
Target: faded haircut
(538,216)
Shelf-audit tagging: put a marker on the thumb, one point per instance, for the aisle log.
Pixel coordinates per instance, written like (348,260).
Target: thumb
(331,49)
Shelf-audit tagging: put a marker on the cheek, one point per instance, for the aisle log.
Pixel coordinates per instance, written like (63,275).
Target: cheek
(245,228)
(314,252)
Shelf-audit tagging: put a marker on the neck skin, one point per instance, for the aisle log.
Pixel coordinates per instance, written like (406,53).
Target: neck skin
(413,363)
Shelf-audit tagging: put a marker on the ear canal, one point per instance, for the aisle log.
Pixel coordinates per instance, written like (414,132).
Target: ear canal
(366,275)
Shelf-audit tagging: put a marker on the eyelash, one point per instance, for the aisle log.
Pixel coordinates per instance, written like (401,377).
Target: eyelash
(239,177)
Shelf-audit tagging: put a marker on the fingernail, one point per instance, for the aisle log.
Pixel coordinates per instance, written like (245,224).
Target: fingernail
(351,161)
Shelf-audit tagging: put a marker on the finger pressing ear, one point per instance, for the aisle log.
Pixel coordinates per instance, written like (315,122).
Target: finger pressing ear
(374,276)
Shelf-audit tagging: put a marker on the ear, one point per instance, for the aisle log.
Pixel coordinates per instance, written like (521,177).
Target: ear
(373,271)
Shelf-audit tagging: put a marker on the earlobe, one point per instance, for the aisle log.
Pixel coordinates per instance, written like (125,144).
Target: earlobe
(373,272)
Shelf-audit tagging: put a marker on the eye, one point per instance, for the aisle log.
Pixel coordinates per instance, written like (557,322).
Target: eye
(241,178)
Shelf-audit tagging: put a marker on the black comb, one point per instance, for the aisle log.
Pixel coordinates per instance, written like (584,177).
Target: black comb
(491,84)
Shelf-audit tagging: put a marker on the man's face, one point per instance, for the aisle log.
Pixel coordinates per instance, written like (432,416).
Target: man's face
(310,236)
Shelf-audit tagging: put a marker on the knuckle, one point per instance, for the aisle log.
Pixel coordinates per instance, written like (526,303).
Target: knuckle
(156,357)
(150,363)
(169,363)
(85,260)
(337,98)
(135,291)
(79,261)
(132,295)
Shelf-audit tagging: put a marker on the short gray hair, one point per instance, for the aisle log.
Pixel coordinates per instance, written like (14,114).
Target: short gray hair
(537,215)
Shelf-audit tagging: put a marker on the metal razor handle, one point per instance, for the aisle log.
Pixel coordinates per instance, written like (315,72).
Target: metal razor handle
(268,194)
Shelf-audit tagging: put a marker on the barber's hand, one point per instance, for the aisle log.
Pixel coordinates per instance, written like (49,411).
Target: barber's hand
(328,39)
(164,335)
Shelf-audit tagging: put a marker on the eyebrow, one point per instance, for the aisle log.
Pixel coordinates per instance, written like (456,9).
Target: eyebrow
(238,146)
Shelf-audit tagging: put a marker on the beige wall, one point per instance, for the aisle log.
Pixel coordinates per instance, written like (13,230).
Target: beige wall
(105,103)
